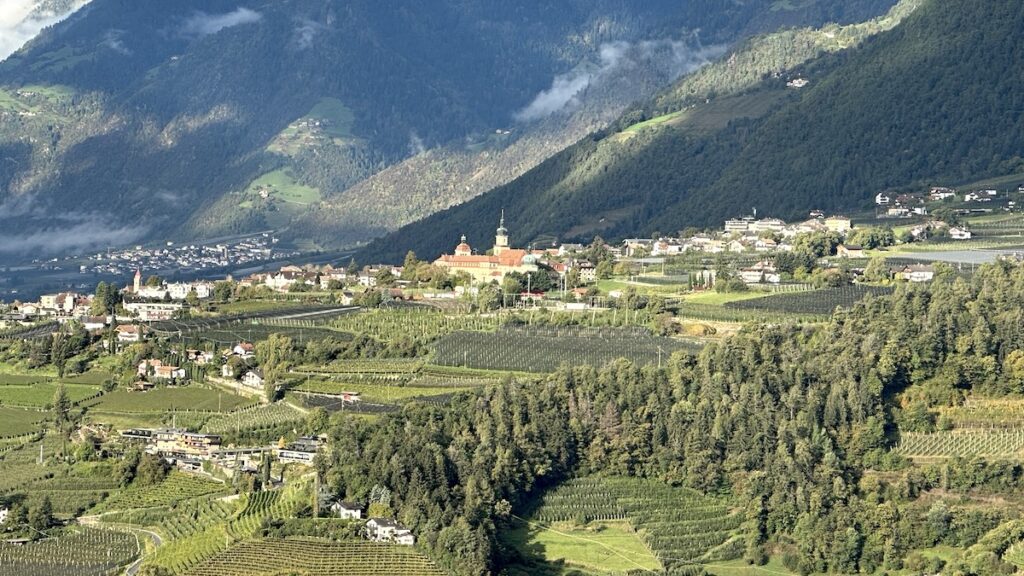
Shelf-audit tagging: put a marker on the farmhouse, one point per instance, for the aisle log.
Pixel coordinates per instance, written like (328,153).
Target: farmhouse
(347,510)
(244,350)
(129,333)
(916,273)
(388,530)
(253,379)
(850,251)
(486,267)
(957,233)
(159,371)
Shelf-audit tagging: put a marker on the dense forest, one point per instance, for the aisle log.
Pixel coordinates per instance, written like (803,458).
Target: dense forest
(899,110)
(794,420)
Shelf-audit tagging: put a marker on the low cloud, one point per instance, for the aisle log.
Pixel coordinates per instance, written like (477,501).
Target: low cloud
(416,145)
(673,57)
(23,20)
(95,232)
(112,40)
(203,24)
(306,31)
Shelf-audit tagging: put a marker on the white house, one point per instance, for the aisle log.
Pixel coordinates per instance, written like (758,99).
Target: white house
(882,199)
(347,510)
(244,350)
(917,273)
(253,379)
(129,333)
(152,311)
(388,530)
(3,514)
(957,233)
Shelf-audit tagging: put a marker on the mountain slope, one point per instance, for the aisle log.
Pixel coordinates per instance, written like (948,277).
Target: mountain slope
(932,100)
(195,118)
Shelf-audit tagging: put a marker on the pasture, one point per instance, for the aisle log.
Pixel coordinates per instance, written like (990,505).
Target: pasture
(598,547)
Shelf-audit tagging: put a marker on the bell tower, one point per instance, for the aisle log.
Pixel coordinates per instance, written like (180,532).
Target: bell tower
(501,237)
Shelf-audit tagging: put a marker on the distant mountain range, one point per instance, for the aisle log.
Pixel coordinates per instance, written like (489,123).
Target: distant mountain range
(329,122)
(920,97)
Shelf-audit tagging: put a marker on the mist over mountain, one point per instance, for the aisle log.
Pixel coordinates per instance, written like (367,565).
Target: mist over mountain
(22,20)
(887,107)
(146,120)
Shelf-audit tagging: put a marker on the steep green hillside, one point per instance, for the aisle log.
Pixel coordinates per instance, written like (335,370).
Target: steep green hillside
(934,100)
(153,119)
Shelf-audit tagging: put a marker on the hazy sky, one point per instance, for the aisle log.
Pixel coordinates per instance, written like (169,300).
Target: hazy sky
(17,27)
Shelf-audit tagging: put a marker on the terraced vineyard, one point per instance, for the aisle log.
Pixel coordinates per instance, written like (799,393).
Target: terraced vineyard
(212,533)
(18,422)
(681,526)
(177,487)
(964,443)
(79,551)
(544,349)
(312,557)
(815,302)
(254,418)
(72,495)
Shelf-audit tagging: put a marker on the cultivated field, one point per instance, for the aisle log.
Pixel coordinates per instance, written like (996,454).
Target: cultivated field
(543,349)
(312,557)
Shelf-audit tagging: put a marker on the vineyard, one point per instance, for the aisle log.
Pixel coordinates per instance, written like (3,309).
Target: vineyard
(374,393)
(75,492)
(219,525)
(79,551)
(544,349)
(986,413)
(422,323)
(40,395)
(312,557)
(254,418)
(17,422)
(962,443)
(815,302)
(250,327)
(170,399)
(680,526)
(177,487)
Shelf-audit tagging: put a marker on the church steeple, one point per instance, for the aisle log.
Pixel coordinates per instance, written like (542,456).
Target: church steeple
(501,238)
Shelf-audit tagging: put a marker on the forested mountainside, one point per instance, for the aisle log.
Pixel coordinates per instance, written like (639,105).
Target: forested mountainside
(134,120)
(933,100)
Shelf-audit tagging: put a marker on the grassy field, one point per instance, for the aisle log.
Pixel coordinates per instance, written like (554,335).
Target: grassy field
(41,395)
(282,186)
(720,299)
(378,393)
(17,422)
(166,399)
(678,527)
(335,115)
(598,547)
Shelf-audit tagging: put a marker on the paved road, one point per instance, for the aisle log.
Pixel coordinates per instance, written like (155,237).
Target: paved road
(157,541)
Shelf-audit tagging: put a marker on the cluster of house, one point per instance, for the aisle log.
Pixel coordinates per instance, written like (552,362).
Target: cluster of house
(283,280)
(249,250)
(168,291)
(910,205)
(189,450)
(740,235)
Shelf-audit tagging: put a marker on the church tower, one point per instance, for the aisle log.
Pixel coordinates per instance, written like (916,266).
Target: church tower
(501,238)
(137,283)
